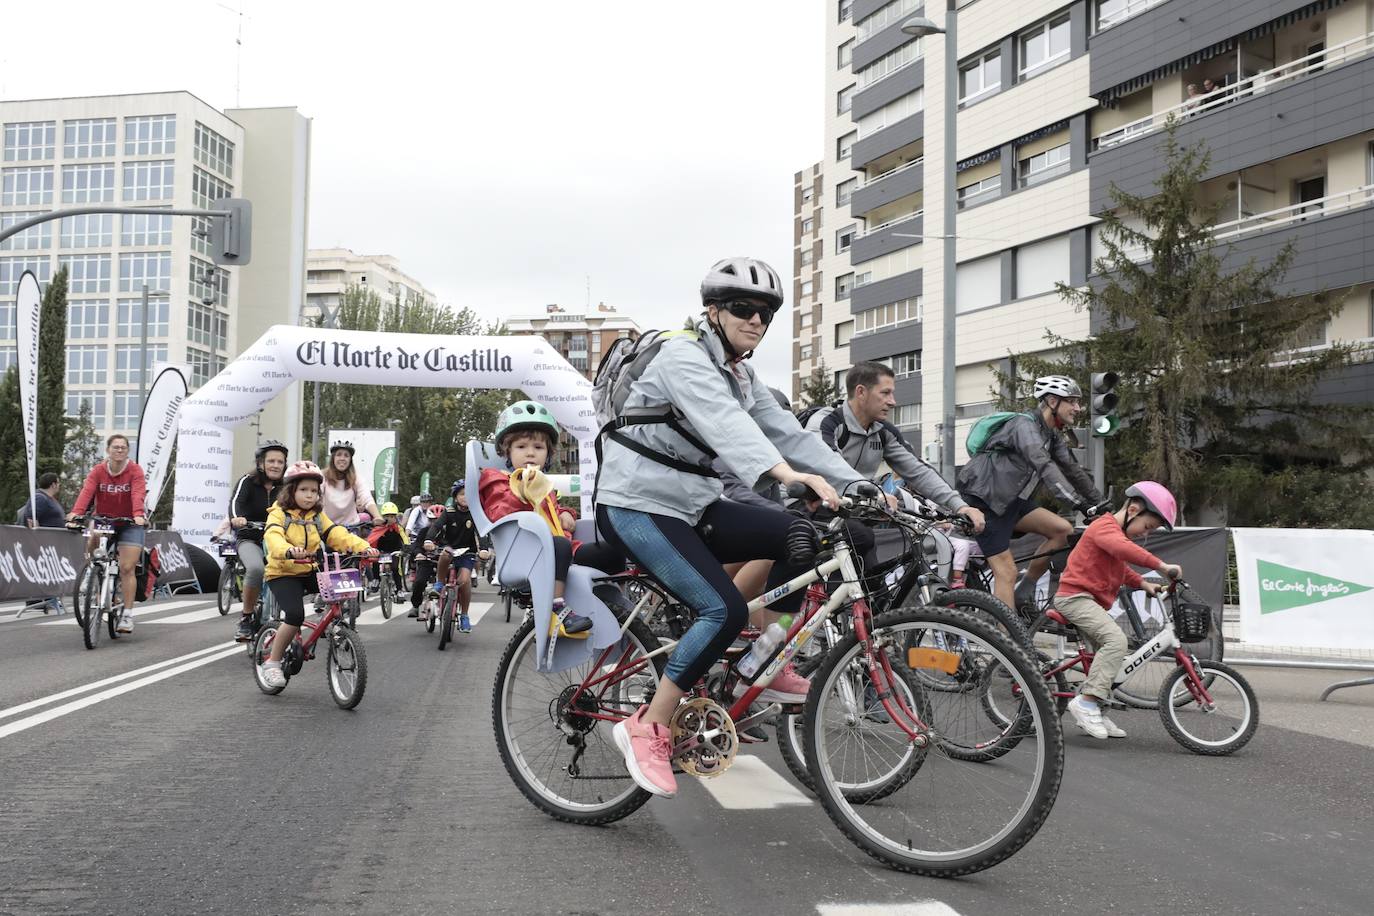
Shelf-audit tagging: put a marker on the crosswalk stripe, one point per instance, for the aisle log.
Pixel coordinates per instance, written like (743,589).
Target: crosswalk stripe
(924,908)
(208,613)
(155,607)
(752,784)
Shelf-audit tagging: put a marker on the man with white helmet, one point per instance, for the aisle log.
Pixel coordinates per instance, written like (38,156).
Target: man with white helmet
(1026,451)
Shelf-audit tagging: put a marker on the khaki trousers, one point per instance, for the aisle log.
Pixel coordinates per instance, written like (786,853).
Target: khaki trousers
(1102,635)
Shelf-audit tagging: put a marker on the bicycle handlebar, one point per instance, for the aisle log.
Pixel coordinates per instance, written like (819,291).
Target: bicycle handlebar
(77,521)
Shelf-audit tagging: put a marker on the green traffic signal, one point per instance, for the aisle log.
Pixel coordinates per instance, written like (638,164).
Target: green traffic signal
(1103,401)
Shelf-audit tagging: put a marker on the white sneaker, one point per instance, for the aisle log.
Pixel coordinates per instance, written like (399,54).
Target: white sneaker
(272,675)
(1113,730)
(1088,717)
(126,623)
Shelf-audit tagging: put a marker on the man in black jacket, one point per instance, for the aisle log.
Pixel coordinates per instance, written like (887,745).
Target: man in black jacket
(455,530)
(1026,451)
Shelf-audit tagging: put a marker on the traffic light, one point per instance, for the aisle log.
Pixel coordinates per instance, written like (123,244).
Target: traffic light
(1104,421)
(231,237)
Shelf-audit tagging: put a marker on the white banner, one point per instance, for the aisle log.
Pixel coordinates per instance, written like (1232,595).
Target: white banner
(28,309)
(157,430)
(374,458)
(285,354)
(1306,587)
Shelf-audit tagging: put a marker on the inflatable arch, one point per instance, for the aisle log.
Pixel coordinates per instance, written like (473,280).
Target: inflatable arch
(287,354)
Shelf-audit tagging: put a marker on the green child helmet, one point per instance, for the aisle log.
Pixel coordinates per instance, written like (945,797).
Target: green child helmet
(526,416)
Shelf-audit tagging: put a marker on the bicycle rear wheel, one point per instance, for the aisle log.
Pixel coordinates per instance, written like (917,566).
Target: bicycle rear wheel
(562,759)
(1222,727)
(948,818)
(345,667)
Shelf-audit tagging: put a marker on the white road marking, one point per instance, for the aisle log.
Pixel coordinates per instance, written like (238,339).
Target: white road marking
(924,908)
(477,611)
(94,685)
(208,613)
(752,784)
(154,607)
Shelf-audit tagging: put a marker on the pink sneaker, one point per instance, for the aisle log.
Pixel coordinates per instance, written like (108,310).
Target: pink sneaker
(646,747)
(788,687)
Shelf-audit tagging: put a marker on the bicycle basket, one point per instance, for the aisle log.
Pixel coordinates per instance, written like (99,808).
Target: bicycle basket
(1192,620)
(336,584)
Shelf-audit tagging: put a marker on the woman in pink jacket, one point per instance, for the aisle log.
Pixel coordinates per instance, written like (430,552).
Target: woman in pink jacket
(344,495)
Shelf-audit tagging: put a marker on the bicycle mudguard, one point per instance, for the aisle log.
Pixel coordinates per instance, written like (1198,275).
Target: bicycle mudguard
(578,594)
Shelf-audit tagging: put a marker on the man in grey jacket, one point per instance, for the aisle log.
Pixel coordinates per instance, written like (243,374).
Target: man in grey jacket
(1001,479)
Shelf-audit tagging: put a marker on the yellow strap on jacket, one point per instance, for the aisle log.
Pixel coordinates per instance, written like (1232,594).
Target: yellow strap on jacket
(530,485)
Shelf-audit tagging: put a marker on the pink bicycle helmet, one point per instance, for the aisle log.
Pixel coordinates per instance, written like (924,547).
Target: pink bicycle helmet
(1157,499)
(303,469)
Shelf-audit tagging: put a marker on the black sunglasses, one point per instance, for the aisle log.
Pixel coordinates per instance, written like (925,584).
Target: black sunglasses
(744,310)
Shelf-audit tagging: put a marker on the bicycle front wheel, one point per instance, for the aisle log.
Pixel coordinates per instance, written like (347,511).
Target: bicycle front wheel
(95,604)
(559,754)
(85,582)
(386,587)
(345,667)
(1213,729)
(949,817)
(225,593)
(448,610)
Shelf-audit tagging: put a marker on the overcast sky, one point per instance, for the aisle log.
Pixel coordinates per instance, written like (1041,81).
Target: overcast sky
(503,152)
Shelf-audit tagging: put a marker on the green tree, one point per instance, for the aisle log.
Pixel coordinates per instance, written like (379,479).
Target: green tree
(820,388)
(52,376)
(82,452)
(1214,385)
(14,475)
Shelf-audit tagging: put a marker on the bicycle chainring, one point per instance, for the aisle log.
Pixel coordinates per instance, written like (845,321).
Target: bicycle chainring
(709,728)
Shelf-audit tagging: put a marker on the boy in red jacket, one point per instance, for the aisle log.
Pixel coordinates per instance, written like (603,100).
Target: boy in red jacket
(1096,571)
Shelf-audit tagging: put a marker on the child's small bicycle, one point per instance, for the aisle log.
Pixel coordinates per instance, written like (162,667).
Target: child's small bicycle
(345,663)
(1206,706)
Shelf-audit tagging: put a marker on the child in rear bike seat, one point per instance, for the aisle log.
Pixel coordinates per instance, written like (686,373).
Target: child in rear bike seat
(1096,571)
(526,436)
(296,528)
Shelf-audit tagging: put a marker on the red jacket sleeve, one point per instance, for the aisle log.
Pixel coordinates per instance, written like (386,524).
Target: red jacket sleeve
(493,489)
(1134,579)
(139,488)
(87,493)
(1112,539)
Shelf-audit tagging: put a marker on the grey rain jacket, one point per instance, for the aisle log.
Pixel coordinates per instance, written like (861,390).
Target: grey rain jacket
(1023,447)
(864,450)
(727,408)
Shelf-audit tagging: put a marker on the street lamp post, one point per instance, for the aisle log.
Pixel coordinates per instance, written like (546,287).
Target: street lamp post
(329,318)
(143,351)
(920,26)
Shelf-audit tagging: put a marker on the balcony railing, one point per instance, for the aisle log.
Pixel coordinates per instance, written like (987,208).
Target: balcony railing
(1260,82)
(920,160)
(1129,10)
(890,223)
(1329,205)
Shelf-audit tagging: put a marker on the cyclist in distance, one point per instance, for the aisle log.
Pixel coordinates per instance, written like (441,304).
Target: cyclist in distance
(345,494)
(388,537)
(453,530)
(252,500)
(421,548)
(420,517)
(116,487)
(1097,569)
(659,499)
(1029,449)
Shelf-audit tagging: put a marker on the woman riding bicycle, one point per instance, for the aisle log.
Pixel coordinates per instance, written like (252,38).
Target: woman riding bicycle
(659,500)
(344,494)
(253,496)
(116,488)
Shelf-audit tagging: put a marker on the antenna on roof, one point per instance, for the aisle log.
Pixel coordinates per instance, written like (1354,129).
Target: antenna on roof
(238,51)
(589,291)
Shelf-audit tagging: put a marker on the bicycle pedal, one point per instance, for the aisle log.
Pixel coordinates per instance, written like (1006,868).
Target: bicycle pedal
(752,735)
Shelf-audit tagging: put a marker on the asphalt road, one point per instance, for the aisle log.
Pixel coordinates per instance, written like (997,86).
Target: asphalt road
(183,789)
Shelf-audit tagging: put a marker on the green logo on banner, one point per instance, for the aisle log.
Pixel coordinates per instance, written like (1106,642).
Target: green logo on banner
(424,482)
(1282,587)
(384,470)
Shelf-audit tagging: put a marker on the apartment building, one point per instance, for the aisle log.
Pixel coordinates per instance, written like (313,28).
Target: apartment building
(159,151)
(330,271)
(1057,101)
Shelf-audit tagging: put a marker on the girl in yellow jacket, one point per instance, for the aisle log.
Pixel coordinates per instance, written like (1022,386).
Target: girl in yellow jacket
(296,527)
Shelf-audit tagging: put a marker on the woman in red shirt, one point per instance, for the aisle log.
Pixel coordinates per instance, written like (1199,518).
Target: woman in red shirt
(116,487)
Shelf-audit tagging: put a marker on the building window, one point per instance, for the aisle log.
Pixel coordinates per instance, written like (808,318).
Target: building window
(88,320)
(199,361)
(87,273)
(844,238)
(887,316)
(93,183)
(148,180)
(1110,12)
(845,7)
(804,318)
(906,106)
(978,283)
(980,191)
(88,139)
(843,332)
(151,268)
(843,284)
(882,18)
(844,99)
(981,76)
(844,190)
(29,140)
(807,351)
(95,400)
(205,190)
(889,63)
(906,364)
(906,415)
(214,151)
(844,55)
(129,361)
(807,256)
(145,229)
(209,284)
(151,135)
(89,230)
(1043,166)
(207,326)
(808,225)
(976,409)
(808,288)
(845,145)
(26,186)
(1044,45)
(129,317)
(30,239)
(127,407)
(11,269)
(1041,265)
(86,365)
(808,193)
(863,279)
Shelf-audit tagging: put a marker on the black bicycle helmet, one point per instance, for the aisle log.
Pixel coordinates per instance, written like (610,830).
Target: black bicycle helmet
(271,445)
(342,444)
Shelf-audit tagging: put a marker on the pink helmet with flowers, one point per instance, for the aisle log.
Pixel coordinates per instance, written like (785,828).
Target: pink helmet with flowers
(1157,499)
(303,470)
